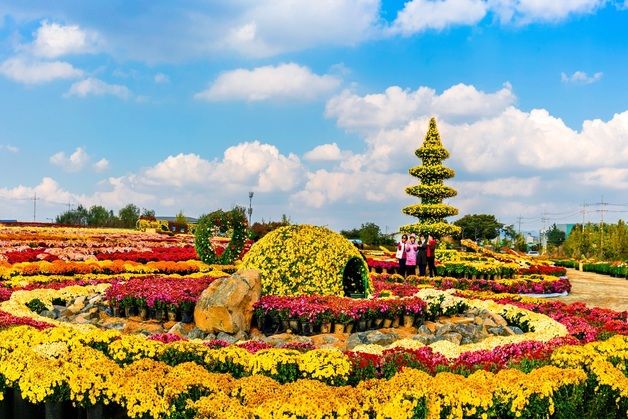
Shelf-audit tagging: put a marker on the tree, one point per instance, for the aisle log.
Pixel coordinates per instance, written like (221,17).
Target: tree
(369,233)
(431,212)
(260,229)
(98,216)
(128,216)
(148,214)
(76,216)
(479,226)
(555,237)
(180,218)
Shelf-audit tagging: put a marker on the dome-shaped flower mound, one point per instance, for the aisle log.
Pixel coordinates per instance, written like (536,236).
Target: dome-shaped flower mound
(307,260)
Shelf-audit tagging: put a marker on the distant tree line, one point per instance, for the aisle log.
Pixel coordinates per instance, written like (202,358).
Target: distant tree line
(260,229)
(604,242)
(99,216)
(369,233)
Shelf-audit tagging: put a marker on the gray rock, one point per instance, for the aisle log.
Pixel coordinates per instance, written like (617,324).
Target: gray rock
(49,314)
(226,337)
(96,299)
(115,325)
(424,330)
(499,331)
(83,318)
(197,333)
(241,335)
(444,329)
(516,330)
(356,339)
(376,337)
(424,339)
(330,339)
(177,329)
(452,337)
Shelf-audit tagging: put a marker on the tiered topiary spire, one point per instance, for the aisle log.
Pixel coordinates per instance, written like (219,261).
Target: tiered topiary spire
(431,212)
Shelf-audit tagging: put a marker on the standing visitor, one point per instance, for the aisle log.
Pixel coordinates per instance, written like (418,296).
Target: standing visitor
(431,255)
(421,257)
(411,252)
(401,254)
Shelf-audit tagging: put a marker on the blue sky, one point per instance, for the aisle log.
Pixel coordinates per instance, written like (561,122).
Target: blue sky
(317,107)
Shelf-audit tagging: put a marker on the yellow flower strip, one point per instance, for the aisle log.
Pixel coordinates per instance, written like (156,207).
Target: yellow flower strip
(23,281)
(60,267)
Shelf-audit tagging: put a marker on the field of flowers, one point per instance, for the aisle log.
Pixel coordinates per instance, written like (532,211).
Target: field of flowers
(571,359)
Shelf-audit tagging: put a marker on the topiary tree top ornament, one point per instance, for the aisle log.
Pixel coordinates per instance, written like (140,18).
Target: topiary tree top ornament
(431,212)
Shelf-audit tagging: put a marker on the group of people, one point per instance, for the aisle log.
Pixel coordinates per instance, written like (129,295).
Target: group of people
(413,253)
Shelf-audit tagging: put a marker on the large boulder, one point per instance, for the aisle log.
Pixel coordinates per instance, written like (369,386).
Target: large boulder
(227,304)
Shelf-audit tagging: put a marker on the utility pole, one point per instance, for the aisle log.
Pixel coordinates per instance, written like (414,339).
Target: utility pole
(584,211)
(544,219)
(603,204)
(35,199)
(250,207)
(519,218)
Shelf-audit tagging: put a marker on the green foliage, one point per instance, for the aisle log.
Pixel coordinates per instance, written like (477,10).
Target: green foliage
(479,226)
(260,229)
(180,218)
(76,216)
(36,305)
(129,215)
(555,237)
(609,242)
(221,223)
(431,212)
(369,233)
(99,216)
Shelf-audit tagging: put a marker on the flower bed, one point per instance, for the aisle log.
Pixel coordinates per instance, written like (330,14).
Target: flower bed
(176,295)
(109,267)
(532,284)
(543,270)
(318,310)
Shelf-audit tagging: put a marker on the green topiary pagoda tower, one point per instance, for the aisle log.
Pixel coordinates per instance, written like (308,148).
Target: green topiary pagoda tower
(431,212)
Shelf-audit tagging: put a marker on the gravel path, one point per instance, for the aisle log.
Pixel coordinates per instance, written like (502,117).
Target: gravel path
(597,290)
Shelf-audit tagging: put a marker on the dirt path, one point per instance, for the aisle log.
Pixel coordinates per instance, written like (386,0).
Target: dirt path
(597,290)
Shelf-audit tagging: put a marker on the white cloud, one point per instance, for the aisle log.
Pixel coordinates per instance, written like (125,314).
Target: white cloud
(396,106)
(101,165)
(580,77)
(325,152)
(27,71)
(97,87)
(324,187)
(48,190)
(72,163)
(419,15)
(10,148)
(284,82)
(529,11)
(483,131)
(271,27)
(606,177)
(161,78)
(251,165)
(53,40)
(510,187)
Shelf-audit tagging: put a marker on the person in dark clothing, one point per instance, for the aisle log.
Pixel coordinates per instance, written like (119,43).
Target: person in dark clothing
(431,255)
(421,257)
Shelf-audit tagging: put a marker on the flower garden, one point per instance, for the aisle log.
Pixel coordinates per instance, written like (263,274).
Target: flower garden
(566,360)
(100,323)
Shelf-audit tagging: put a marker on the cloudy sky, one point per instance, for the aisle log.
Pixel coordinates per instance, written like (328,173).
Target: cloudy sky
(315,106)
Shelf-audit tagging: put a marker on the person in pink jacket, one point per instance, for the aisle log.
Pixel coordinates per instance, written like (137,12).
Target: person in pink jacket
(411,251)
